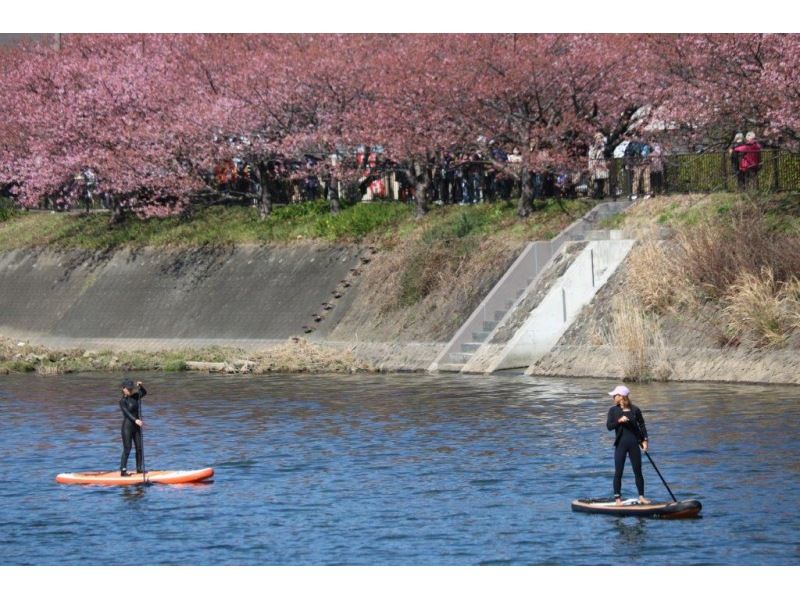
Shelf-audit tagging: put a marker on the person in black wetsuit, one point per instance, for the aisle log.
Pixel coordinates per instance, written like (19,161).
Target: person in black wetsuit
(627,421)
(131,424)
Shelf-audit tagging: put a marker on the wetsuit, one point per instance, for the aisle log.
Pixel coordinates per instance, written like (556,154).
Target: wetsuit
(130,431)
(629,435)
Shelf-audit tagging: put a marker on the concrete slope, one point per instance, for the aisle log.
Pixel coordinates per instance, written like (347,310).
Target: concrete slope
(211,294)
(564,301)
(512,288)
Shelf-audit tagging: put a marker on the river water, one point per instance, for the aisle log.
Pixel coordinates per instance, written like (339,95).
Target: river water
(394,470)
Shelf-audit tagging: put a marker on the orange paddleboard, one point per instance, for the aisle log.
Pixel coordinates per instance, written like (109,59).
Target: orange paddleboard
(112,478)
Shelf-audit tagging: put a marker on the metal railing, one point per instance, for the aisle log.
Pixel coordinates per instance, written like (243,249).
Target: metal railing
(779,172)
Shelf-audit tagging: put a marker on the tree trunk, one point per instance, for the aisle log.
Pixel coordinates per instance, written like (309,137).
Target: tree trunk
(526,197)
(421,185)
(117,212)
(265,199)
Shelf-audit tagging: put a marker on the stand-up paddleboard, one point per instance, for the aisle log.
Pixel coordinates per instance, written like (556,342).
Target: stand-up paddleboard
(682,509)
(112,478)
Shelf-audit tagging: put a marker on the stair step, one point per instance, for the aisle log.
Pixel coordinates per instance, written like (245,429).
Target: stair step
(489,325)
(461,358)
(450,367)
(498,315)
(598,235)
(480,336)
(470,347)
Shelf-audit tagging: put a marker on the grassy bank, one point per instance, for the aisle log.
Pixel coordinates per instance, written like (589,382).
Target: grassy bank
(424,277)
(432,274)
(710,271)
(237,225)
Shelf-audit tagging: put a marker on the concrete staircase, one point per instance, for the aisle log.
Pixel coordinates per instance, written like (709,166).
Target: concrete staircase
(510,289)
(537,325)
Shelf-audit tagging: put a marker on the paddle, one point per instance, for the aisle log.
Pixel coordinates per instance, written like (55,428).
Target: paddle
(659,475)
(641,435)
(141,439)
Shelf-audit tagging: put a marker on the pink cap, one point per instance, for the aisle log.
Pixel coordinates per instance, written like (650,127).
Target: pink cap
(620,390)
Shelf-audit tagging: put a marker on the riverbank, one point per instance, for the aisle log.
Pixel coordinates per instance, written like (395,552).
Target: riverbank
(301,223)
(156,284)
(293,355)
(709,293)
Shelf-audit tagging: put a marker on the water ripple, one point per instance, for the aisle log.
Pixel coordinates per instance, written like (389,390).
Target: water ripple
(396,470)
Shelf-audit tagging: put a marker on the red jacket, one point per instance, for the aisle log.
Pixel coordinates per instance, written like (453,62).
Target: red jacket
(750,155)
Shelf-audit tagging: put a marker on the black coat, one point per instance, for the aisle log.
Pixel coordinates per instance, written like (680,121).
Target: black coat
(130,404)
(635,424)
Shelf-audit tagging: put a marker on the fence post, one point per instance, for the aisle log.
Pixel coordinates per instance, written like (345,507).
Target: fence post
(725,174)
(776,181)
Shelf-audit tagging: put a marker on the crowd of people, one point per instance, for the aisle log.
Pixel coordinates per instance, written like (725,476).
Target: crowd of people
(463,178)
(643,166)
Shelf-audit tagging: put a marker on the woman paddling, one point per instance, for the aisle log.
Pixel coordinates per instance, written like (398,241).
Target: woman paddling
(131,424)
(627,421)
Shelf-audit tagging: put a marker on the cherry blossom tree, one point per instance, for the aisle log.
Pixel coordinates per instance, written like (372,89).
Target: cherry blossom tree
(546,95)
(722,83)
(120,105)
(151,115)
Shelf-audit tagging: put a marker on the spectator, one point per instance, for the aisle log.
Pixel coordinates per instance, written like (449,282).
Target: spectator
(476,179)
(657,168)
(750,161)
(566,184)
(459,187)
(449,195)
(736,157)
(598,166)
(637,162)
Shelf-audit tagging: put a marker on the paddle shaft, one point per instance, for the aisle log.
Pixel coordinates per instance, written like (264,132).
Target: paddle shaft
(661,476)
(653,463)
(141,440)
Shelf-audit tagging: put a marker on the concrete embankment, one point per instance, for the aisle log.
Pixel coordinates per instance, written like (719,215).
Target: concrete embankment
(684,349)
(253,298)
(297,307)
(154,298)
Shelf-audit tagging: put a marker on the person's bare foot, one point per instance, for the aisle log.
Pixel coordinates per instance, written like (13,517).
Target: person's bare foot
(618,500)
(644,501)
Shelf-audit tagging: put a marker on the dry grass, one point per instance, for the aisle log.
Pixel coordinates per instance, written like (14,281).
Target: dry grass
(732,257)
(656,278)
(762,310)
(638,341)
(716,252)
(295,355)
(423,291)
(299,355)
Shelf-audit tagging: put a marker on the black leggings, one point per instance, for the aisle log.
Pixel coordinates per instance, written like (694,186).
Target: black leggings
(130,431)
(630,447)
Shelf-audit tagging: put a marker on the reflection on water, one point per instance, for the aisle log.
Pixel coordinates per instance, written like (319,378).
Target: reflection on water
(395,469)
(133,493)
(631,533)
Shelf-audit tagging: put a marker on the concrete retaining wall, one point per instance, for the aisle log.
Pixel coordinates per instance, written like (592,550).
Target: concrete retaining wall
(246,293)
